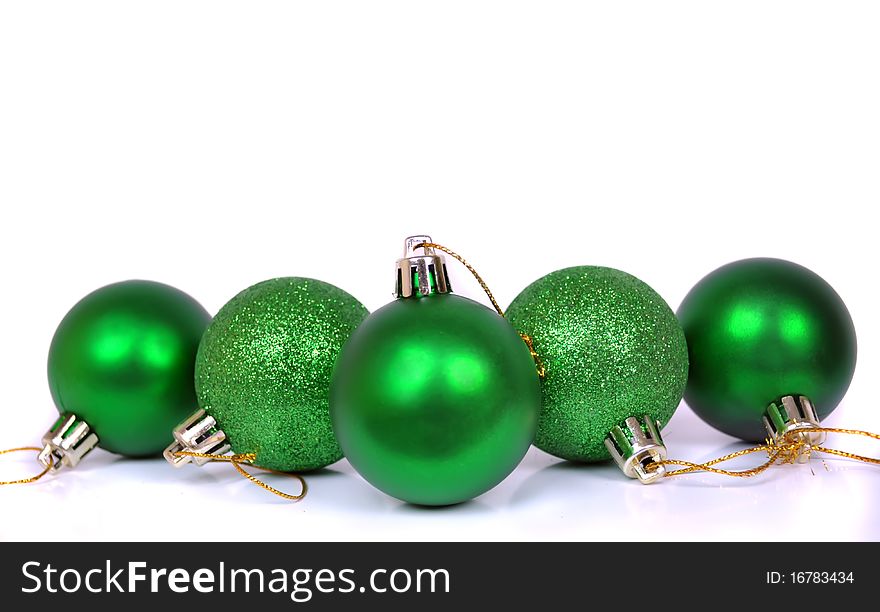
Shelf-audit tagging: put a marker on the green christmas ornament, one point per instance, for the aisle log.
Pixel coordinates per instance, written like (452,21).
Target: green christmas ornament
(772,348)
(435,397)
(263,376)
(615,363)
(121,371)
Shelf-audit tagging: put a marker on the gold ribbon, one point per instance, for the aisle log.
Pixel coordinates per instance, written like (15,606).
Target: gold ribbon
(248,458)
(235,460)
(788,450)
(32,478)
(539,365)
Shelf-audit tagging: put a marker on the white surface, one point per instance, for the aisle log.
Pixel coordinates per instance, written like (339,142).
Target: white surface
(211,145)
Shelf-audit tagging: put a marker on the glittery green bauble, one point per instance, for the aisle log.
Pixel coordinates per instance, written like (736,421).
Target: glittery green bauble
(611,347)
(263,370)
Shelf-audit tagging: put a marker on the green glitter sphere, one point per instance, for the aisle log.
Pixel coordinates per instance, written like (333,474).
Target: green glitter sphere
(263,370)
(612,348)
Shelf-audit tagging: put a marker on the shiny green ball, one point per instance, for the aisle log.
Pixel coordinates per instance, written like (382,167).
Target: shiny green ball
(611,348)
(758,329)
(122,360)
(264,365)
(435,399)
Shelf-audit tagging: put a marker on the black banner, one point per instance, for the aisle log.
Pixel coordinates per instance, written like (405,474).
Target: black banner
(431,576)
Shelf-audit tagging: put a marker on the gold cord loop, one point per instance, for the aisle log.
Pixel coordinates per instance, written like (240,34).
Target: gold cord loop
(451,253)
(249,458)
(539,365)
(788,450)
(32,478)
(839,453)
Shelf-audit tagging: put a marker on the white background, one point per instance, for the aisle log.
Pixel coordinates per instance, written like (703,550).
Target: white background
(211,145)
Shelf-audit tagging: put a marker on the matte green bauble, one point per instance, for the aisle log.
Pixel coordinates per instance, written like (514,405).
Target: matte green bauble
(611,348)
(435,399)
(264,365)
(758,329)
(122,360)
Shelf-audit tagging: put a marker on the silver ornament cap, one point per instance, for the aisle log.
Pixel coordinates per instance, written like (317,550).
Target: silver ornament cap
(785,419)
(635,445)
(67,442)
(421,271)
(197,434)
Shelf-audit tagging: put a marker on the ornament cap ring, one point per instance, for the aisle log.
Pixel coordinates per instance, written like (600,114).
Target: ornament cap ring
(197,434)
(67,442)
(786,416)
(420,272)
(638,449)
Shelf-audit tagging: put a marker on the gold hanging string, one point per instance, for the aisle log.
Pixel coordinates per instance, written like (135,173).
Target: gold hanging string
(539,365)
(249,458)
(839,453)
(451,253)
(792,446)
(775,453)
(32,478)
